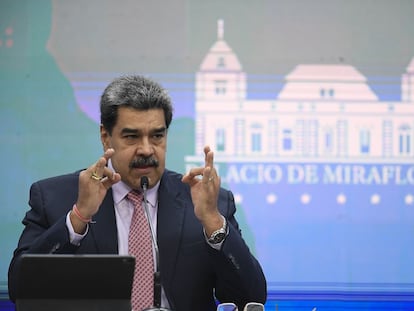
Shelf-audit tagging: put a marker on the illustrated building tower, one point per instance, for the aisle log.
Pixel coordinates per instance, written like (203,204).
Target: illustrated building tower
(220,86)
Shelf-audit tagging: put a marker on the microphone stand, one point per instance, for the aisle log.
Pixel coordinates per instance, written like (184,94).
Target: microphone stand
(157,273)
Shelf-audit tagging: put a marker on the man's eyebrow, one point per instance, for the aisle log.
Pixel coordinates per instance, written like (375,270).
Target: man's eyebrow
(127,130)
(160,129)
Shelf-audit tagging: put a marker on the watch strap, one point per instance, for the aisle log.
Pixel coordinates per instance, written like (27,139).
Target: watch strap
(219,235)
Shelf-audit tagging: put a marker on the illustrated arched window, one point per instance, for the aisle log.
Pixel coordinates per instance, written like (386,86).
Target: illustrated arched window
(220,139)
(256,136)
(364,141)
(221,62)
(287,139)
(220,87)
(328,140)
(404,139)
(322,92)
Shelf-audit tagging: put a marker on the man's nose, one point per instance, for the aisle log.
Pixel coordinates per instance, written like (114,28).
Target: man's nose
(145,147)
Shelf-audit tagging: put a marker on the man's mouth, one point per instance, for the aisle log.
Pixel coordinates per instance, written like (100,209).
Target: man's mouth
(141,167)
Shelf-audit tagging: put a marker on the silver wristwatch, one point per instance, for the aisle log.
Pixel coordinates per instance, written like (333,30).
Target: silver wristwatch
(219,235)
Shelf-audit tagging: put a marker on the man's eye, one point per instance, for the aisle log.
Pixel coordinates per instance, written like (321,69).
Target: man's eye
(130,137)
(158,136)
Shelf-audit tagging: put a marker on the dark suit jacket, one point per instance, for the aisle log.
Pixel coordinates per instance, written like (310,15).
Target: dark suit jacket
(192,273)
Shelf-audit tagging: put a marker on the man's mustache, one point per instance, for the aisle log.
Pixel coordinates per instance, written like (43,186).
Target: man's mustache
(143,162)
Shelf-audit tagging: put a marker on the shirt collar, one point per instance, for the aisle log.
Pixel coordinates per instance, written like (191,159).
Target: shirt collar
(121,189)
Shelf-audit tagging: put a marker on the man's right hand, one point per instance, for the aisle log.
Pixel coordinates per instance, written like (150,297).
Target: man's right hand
(94,182)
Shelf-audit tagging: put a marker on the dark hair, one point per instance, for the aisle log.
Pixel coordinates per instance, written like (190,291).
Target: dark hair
(133,91)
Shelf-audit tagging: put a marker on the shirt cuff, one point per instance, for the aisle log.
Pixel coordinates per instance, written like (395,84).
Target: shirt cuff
(75,238)
(215,246)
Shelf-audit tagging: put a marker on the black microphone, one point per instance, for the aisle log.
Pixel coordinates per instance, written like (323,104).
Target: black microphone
(157,273)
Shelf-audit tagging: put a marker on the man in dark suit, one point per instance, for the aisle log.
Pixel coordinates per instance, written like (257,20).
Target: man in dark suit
(203,256)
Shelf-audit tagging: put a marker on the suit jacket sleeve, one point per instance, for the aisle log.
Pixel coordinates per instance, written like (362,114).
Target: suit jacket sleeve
(240,278)
(45,228)
(193,273)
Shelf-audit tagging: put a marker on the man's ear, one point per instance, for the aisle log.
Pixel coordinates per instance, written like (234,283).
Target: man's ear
(104,138)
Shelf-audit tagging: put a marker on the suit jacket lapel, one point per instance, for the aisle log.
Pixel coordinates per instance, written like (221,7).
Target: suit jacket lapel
(104,231)
(170,222)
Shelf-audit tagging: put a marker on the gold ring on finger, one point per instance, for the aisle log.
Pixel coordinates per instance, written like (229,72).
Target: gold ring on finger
(95,176)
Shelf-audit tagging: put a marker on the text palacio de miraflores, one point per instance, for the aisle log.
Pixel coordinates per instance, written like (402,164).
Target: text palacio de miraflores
(305,173)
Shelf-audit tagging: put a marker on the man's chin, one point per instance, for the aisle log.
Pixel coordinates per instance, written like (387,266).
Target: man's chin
(137,173)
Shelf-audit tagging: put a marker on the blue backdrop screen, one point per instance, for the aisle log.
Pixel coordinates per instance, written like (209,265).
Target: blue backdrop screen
(309,107)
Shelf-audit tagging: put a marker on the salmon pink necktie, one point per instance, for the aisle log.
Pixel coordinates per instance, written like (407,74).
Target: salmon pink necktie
(139,245)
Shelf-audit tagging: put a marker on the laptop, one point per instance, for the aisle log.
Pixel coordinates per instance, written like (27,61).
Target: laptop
(75,282)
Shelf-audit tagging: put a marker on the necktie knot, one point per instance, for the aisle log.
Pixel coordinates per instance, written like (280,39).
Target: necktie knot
(135,197)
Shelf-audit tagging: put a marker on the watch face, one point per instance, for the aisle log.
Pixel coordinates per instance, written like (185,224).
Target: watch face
(218,237)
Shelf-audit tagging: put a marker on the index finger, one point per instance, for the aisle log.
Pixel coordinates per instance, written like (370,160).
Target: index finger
(209,157)
(99,166)
(108,153)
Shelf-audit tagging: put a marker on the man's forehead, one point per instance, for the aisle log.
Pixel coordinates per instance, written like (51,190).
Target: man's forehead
(140,119)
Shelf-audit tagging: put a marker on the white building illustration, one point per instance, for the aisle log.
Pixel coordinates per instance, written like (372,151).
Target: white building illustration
(322,174)
(324,113)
